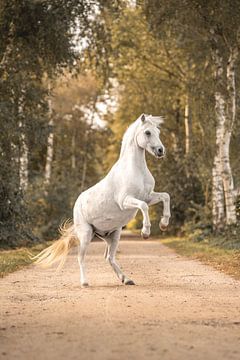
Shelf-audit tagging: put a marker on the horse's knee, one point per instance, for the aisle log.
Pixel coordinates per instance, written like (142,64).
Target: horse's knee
(144,207)
(166,196)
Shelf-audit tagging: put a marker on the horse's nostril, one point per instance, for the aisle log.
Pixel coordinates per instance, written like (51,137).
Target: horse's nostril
(160,151)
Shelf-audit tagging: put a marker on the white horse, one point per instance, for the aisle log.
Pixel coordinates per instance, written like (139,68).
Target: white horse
(106,207)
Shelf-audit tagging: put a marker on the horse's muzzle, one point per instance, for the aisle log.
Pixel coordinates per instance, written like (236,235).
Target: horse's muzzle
(159,151)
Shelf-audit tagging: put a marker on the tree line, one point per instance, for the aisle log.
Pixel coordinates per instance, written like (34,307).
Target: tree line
(39,41)
(60,59)
(181,59)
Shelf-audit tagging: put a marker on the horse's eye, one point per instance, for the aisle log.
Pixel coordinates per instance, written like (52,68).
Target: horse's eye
(148,133)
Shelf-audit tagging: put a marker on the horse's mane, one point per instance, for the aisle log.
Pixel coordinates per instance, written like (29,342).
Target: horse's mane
(129,134)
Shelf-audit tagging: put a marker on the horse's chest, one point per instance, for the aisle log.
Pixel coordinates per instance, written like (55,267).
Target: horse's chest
(143,186)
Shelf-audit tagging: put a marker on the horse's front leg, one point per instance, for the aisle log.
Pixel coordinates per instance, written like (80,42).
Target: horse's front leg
(155,198)
(132,203)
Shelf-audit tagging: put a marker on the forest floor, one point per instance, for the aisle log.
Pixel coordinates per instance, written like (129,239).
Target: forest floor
(180,309)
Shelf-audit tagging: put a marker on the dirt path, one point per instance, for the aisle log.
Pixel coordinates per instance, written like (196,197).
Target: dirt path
(180,309)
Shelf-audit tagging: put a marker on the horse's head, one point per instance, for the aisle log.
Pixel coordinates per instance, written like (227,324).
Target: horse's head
(148,135)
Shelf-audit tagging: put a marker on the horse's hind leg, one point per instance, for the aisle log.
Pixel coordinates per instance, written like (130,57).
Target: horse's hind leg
(113,240)
(106,251)
(85,235)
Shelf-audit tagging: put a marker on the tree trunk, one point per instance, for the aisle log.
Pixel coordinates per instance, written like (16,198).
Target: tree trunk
(187,127)
(217,195)
(225,107)
(218,212)
(228,184)
(23,149)
(23,160)
(49,156)
(22,157)
(73,156)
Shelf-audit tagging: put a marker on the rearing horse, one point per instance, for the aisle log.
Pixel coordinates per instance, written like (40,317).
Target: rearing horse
(106,207)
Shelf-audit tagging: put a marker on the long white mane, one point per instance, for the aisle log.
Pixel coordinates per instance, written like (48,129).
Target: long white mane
(129,134)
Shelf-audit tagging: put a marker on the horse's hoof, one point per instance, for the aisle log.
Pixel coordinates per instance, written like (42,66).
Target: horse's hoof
(164,223)
(129,282)
(84,285)
(163,227)
(144,235)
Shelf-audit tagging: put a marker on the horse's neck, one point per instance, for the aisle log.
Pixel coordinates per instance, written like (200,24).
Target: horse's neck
(134,155)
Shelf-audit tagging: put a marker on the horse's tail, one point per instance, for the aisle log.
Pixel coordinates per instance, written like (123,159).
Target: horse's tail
(58,251)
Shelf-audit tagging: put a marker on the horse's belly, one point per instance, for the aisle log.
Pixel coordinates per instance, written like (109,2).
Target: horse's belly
(105,215)
(109,221)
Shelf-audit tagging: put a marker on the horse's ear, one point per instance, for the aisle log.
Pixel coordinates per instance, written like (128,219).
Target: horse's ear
(143,118)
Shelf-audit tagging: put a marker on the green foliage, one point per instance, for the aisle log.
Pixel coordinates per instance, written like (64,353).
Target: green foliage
(151,83)
(78,154)
(153,58)
(38,40)
(163,62)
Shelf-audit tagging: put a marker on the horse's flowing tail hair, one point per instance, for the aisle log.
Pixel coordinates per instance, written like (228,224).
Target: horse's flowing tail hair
(58,251)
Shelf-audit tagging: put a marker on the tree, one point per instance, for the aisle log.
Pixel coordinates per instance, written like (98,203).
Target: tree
(149,81)
(78,151)
(215,28)
(38,39)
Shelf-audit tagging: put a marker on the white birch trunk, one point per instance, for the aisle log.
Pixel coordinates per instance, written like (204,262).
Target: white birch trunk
(174,142)
(218,211)
(23,160)
(50,140)
(225,107)
(73,156)
(49,156)
(231,216)
(187,127)
(23,150)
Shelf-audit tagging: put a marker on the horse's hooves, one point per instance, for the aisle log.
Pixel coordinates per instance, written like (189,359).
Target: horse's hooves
(129,282)
(84,285)
(144,236)
(163,227)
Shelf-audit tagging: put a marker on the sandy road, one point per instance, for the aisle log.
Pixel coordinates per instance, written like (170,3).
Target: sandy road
(180,309)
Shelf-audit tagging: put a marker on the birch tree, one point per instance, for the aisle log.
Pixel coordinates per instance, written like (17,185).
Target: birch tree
(50,139)
(187,126)
(225,107)
(231,110)
(210,29)
(23,146)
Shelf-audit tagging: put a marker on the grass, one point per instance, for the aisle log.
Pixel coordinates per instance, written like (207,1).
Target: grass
(226,260)
(12,260)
